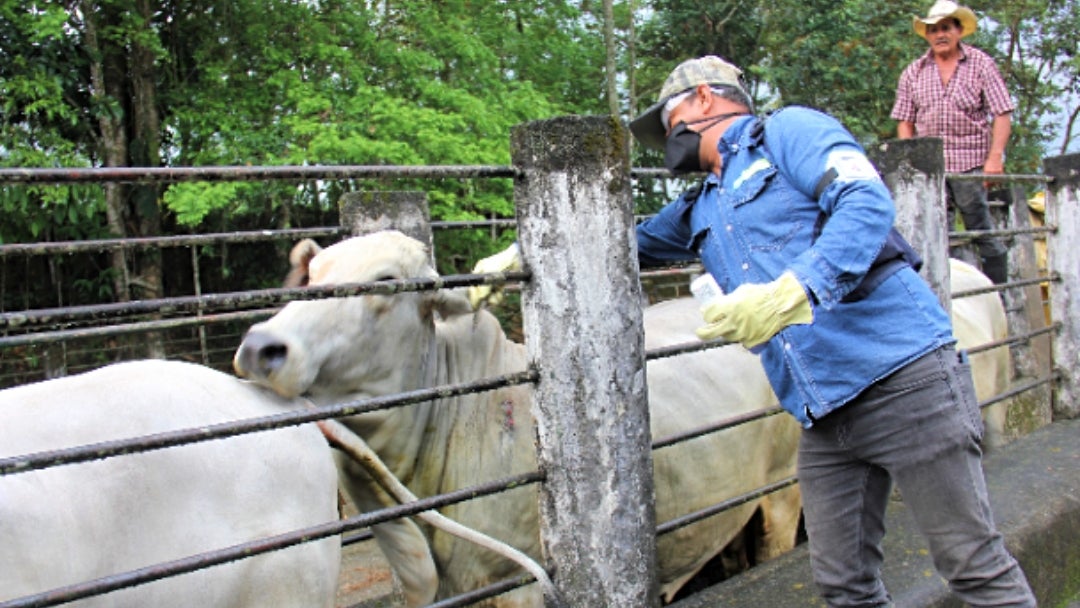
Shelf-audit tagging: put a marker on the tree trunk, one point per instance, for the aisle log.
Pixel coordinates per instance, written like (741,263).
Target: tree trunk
(611,53)
(112,145)
(122,75)
(144,152)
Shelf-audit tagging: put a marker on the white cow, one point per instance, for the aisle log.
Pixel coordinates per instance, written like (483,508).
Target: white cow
(77,522)
(342,349)
(979,320)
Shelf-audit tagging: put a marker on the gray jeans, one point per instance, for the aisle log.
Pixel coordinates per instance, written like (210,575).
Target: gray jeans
(921,428)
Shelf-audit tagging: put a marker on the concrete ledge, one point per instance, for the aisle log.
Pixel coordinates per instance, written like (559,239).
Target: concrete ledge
(1034,485)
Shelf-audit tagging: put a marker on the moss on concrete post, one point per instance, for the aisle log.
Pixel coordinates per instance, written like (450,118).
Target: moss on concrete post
(583,332)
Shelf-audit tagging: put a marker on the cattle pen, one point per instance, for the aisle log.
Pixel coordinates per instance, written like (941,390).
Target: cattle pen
(582,328)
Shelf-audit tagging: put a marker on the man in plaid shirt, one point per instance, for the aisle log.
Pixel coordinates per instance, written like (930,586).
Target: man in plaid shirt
(956,92)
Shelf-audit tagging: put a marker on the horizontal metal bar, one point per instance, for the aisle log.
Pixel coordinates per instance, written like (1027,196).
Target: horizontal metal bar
(471,597)
(243,299)
(663,352)
(967,293)
(359,537)
(716,426)
(143,175)
(965,236)
(1020,388)
(1000,177)
(1017,339)
(66,335)
(190,240)
(689,518)
(107,449)
(195,240)
(240,551)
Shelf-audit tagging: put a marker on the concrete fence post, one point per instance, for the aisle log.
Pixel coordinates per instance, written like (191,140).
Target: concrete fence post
(914,171)
(1063,211)
(1024,309)
(583,332)
(405,211)
(1024,304)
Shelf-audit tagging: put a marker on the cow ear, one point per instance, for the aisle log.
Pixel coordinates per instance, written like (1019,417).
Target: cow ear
(300,258)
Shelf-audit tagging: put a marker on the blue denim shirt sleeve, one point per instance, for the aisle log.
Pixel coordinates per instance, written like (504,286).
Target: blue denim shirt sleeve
(665,237)
(805,145)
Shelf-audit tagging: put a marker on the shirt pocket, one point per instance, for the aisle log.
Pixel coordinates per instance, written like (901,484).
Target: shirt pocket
(711,252)
(967,99)
(763,212)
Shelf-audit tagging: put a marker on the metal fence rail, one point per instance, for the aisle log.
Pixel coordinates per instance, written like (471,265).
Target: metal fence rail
(216,308)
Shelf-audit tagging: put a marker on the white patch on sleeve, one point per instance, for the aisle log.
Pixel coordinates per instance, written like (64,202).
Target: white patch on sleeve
(850,166)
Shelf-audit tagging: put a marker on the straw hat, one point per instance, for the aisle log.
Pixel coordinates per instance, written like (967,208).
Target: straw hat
(944,9)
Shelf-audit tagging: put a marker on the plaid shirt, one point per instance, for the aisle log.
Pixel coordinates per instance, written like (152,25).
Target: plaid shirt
(960,112)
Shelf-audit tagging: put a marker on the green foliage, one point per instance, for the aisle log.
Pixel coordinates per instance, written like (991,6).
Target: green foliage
(192,202)
(843,57)
(415,82)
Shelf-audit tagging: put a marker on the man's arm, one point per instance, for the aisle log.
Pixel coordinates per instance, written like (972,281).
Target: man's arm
(1000,128)
(905,129)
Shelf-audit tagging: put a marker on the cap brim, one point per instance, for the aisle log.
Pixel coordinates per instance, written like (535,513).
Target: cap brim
(647,128)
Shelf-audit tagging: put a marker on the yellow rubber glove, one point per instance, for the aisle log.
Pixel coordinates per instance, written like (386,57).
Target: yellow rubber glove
(755,312)
(507,260)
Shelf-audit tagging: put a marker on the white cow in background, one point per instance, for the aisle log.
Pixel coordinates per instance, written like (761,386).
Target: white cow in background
(979,320)
(372,345)
(74,523)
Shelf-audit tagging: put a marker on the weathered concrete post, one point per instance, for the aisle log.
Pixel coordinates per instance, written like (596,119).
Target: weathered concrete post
(1063,211)
(406,211)
(1024,304)
(914,171)
(583,332)
(1023,307)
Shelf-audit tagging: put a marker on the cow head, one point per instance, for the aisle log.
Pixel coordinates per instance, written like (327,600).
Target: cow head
(357,346)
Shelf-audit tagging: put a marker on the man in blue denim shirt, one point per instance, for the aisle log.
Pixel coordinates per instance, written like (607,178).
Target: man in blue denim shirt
(795,225)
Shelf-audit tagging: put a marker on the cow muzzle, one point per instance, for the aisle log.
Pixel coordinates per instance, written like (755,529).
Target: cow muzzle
(260,356)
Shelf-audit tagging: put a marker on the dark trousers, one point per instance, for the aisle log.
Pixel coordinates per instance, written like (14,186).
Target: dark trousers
(969,197)
(920,428)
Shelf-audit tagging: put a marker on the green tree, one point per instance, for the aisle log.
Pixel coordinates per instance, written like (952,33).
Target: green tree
(843,57)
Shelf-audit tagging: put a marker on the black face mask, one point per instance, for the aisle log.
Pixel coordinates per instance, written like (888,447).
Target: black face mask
(681,148)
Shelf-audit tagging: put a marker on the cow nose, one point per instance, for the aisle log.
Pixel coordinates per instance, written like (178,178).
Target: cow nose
(260,355)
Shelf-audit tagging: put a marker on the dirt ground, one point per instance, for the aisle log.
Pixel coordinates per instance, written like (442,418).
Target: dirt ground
(365,580)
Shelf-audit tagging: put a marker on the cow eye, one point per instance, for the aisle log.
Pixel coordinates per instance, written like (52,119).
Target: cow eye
(386,277)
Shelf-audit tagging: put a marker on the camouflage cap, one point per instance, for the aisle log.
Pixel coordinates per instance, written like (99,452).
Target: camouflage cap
(712,70)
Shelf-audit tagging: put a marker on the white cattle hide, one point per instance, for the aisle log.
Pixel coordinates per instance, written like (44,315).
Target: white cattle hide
(74,523)
(979,320)
(372,345)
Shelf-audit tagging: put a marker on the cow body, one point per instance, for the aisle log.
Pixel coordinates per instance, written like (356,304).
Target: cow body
(979,320)
(334,350)
(74,523)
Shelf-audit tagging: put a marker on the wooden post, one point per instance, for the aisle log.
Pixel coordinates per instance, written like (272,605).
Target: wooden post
(583,332)
(1063,211)
(914,171)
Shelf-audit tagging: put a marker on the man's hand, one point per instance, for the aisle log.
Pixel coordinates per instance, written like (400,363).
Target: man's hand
(507,260)
(755,312)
